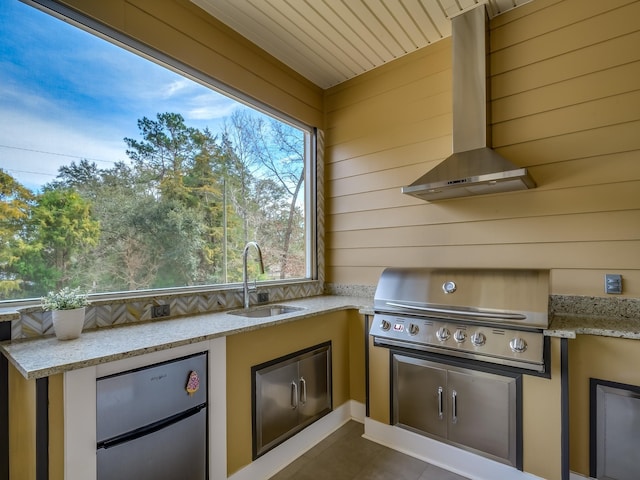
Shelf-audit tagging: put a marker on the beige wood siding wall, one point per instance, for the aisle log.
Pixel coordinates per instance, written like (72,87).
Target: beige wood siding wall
(183,31)
(565,103)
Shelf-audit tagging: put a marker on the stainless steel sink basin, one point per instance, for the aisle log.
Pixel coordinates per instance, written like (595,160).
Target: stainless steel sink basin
(265,311)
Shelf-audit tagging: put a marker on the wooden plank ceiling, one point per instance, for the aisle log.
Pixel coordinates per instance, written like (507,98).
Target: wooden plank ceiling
(330,41)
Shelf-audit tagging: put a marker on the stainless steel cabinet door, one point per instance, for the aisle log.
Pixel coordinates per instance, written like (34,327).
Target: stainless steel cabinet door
(482,412)
(314,386)
(278,395)
(420,391)
(467,408)
(290,393)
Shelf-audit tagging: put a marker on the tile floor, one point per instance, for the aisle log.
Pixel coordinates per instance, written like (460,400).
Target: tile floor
(345,455)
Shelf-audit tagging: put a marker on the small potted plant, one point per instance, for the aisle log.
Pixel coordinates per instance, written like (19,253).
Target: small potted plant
(67,308)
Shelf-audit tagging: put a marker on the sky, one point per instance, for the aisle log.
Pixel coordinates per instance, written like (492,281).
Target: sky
(66,95)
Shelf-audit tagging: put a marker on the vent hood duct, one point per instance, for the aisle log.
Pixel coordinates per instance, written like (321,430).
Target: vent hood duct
(473,168)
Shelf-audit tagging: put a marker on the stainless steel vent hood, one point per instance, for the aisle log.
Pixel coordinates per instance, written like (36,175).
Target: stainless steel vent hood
(473,168)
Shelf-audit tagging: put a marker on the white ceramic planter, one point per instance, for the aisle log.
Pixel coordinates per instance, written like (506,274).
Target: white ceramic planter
(68,323)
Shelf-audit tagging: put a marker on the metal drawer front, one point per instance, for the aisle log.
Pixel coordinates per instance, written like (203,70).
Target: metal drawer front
(175,452)
(137,398)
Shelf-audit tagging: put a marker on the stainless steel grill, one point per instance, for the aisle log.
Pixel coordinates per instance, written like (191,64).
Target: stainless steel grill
(492,315)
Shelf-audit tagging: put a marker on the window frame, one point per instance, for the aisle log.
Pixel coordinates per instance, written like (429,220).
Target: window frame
(136,47)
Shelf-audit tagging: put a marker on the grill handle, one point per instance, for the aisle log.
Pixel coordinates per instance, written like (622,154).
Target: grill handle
(440,409)
(463,313)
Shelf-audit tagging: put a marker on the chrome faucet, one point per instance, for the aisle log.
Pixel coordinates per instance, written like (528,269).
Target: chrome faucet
(245,283)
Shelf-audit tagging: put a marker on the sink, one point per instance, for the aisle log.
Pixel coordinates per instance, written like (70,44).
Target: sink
(265,311)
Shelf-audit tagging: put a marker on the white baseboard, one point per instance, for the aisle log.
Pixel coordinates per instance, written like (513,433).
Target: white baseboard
(275,460)
(578,476)
(440,454)
(445,456)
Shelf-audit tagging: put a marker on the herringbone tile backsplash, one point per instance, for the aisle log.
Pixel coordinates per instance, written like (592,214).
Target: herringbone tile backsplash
(36,323)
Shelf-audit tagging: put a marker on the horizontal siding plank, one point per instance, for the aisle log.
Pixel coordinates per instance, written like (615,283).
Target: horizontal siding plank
(612,226)
(424,62)
(576,118)
(374,181)
(563,281)
(432,150)
(431,89)
(432,86)
(536,21)
(605,83)
(367,276)
(393,137)
(618,138)
(602,56)
(524,10)
(365,120)
(532,203)
(601,170)
(573,36)
(595,255)
(590,282)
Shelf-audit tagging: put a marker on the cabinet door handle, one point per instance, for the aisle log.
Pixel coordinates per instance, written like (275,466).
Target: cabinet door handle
(303,391)
(440,406)
(454,407)
(294,395)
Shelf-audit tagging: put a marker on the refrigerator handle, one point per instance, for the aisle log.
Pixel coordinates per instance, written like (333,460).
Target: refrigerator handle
(150,428)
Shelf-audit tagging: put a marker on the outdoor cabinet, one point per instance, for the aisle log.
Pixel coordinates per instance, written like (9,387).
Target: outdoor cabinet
(468,408)
(289,393)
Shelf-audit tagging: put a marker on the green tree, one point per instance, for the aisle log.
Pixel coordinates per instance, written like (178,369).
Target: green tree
(165,153)
(182,164)
(15,205)
(60,228)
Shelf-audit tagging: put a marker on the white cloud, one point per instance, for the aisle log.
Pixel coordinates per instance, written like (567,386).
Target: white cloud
(33,149)
(210,106)
(175,87)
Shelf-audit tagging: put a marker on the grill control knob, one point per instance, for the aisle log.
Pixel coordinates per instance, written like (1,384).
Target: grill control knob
(443,334)
(518,345)
(385,325)
(460,336)
(413,329)
(449,287)
(478,339)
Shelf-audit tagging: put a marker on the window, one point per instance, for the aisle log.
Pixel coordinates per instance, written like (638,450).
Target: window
(122,174)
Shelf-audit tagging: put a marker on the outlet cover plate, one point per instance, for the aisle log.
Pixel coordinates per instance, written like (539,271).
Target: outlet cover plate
(159,311)
(613,283)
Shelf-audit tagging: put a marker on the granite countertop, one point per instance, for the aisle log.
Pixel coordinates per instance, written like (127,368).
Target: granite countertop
(45,356)
(569,325)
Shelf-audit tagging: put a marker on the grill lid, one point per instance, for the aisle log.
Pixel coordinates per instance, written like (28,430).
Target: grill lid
(505,296)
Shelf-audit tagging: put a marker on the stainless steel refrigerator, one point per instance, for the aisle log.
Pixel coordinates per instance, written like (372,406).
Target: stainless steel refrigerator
(152,422)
